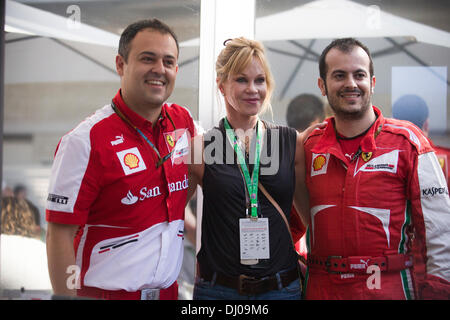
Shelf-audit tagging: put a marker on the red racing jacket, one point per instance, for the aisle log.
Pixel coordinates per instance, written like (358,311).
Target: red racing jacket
(367,213)
(130,212)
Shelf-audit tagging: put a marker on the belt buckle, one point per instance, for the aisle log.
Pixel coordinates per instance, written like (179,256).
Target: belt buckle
(150,294)
(400,261)
(328,264)
(243,279)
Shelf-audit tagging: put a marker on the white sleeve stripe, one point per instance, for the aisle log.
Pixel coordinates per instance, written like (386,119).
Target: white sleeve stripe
(436,214)
(412,135)
(70,164)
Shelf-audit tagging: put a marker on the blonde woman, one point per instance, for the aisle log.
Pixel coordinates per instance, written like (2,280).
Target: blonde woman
(246,250)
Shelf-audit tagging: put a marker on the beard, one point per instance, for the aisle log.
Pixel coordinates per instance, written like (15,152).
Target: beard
(350,111)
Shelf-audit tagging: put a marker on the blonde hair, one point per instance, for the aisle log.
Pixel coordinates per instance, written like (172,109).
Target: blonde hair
(236,56)
(17,218)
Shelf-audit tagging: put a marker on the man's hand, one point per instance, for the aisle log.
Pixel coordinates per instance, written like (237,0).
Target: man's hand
(61,258)
(304,134)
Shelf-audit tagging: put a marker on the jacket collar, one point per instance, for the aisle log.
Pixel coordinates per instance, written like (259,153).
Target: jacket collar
(329,143)
(135,118)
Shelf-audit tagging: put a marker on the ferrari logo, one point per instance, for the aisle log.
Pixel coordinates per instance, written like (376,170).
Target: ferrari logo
(442,162)
(366,156)
(170,140)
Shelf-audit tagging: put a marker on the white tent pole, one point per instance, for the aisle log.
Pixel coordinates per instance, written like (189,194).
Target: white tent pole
(219,20)
(2,91)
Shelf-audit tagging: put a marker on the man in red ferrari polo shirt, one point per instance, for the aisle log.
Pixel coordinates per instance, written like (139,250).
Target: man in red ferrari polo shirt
(118,187)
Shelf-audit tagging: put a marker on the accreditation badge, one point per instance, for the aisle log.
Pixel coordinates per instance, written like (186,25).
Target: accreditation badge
(254,240)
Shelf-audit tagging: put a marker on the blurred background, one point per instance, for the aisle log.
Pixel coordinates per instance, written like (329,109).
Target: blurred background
(60,65)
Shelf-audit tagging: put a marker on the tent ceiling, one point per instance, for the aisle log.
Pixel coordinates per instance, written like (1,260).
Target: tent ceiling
(99,13)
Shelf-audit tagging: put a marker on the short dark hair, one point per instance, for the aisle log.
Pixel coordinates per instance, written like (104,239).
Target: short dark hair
(344,45)
(130,32)
(303,110)
(19,188)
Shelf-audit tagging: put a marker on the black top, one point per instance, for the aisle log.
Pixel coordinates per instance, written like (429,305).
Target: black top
(224,202)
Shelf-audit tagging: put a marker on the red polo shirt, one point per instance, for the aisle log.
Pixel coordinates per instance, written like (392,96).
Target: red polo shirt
(104,178)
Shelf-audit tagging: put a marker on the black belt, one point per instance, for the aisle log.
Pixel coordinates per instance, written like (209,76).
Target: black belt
(247,285)
(359,264)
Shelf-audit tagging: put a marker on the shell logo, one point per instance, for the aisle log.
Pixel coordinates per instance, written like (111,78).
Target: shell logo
(131,160)
(319,162)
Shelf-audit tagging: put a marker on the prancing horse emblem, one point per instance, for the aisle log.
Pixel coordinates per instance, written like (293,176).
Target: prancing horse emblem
(366,156)
(170,140)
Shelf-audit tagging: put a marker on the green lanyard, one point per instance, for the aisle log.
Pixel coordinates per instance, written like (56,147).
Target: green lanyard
(251,183)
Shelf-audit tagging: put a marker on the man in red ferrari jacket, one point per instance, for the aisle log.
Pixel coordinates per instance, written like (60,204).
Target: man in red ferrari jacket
(371,181)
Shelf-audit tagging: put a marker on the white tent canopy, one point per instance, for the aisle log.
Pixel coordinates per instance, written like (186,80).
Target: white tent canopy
(342,18)
(320,19)
(325,19)
(21,18)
